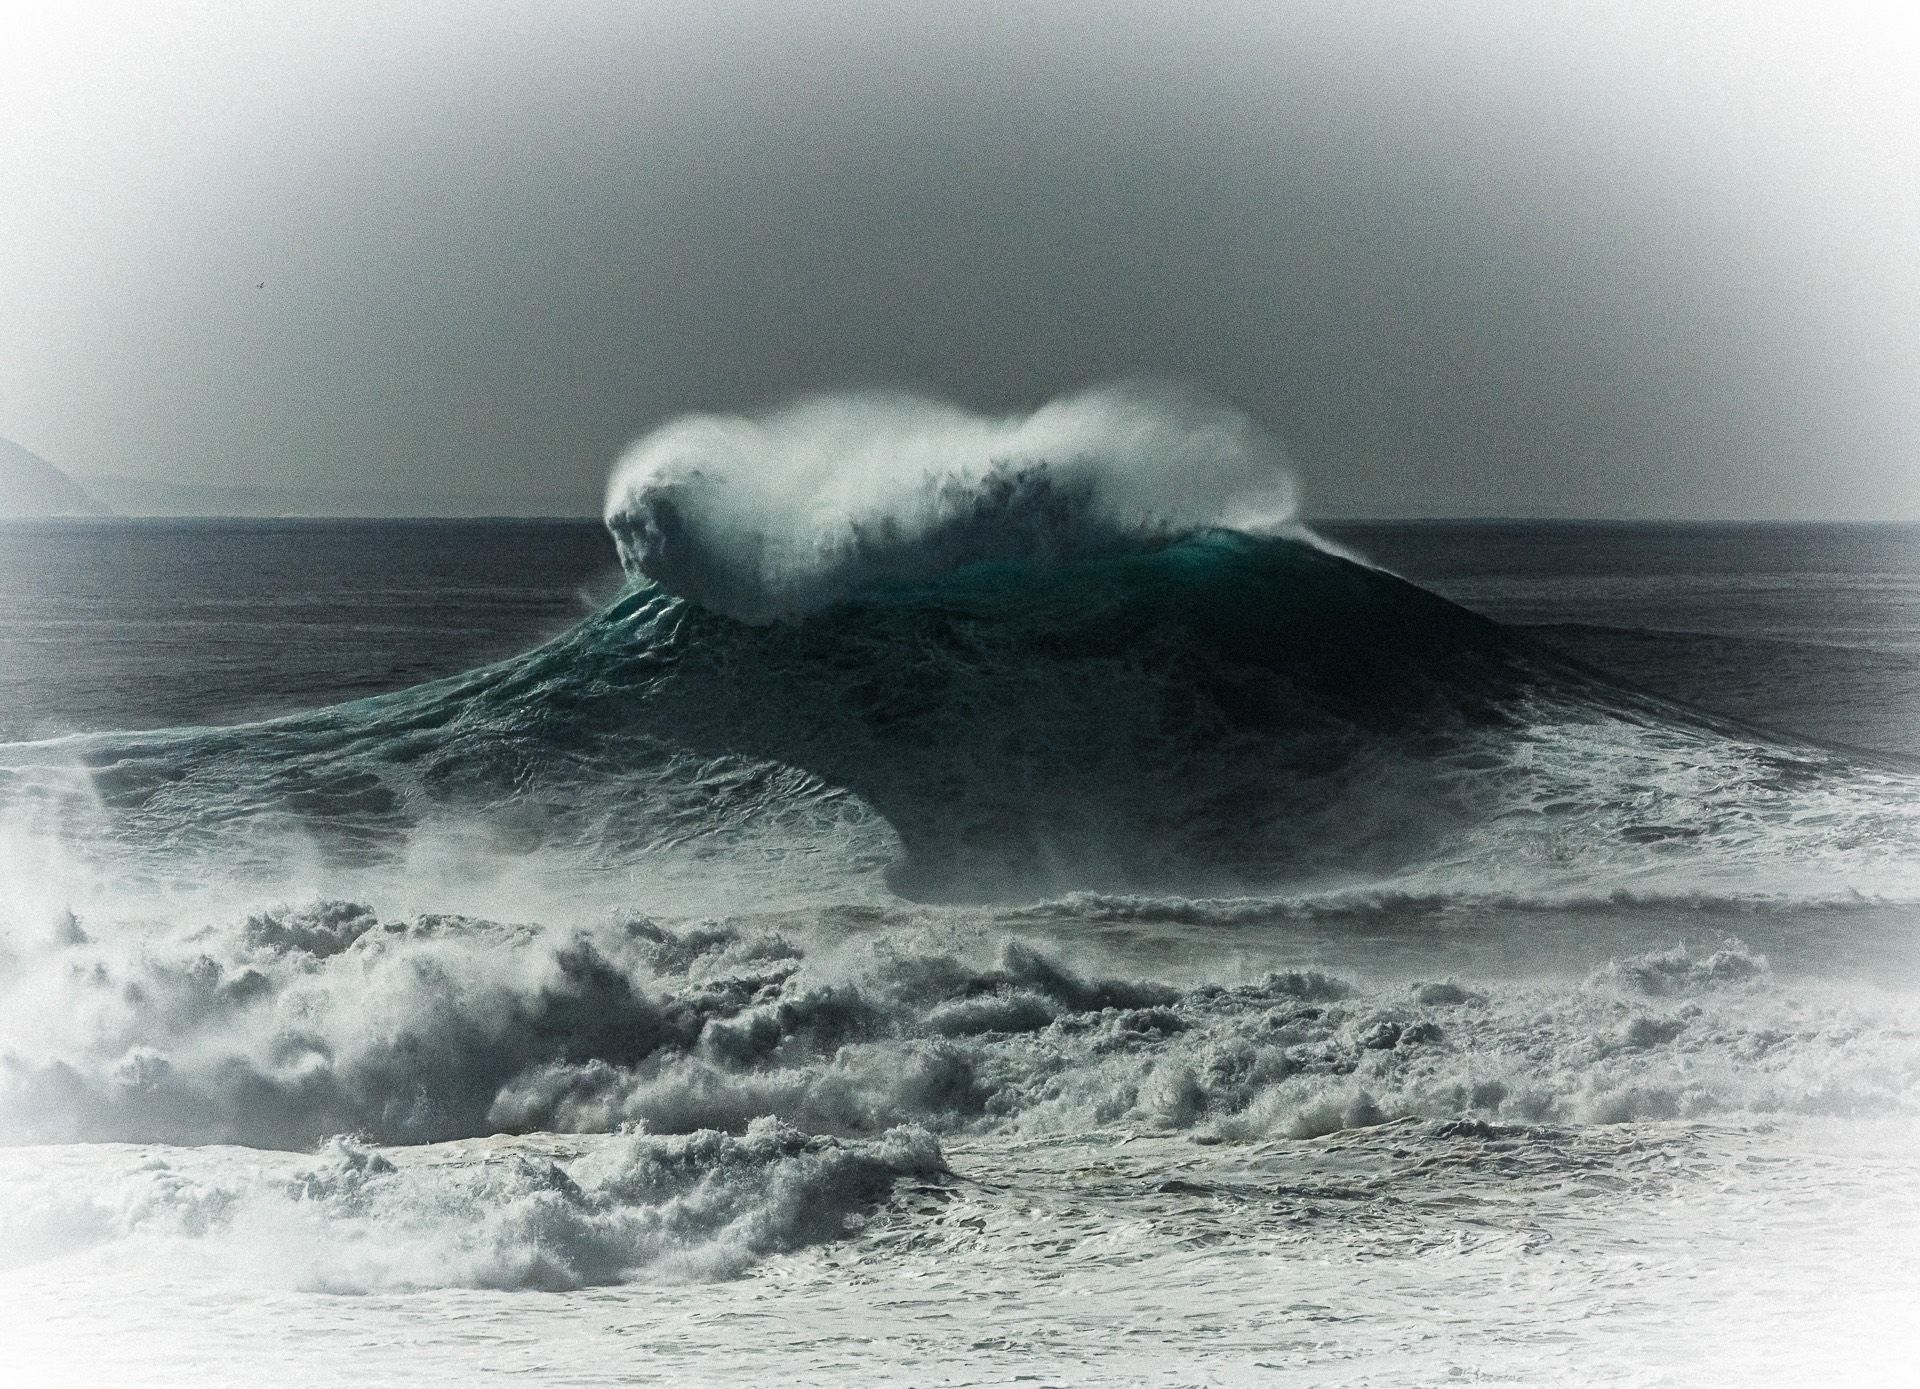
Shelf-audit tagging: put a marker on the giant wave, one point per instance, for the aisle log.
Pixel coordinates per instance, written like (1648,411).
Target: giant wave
(1083,652)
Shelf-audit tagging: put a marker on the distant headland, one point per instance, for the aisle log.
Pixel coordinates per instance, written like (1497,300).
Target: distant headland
(31,486)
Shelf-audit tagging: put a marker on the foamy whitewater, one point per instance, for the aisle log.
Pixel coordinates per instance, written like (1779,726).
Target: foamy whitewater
(990,898)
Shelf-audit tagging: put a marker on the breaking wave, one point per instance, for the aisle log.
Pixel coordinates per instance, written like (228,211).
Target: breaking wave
(878,647)
(781,515)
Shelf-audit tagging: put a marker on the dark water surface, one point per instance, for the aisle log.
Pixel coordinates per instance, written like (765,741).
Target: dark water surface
(1811,629)
(151,623)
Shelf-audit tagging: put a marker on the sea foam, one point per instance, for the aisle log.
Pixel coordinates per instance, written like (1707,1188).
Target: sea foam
(494,1213)
(438,1029)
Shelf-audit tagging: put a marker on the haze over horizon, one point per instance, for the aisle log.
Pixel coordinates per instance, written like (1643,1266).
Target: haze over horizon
(1630,261)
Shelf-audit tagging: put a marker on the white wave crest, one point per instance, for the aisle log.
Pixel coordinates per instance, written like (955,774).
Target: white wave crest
(779,514)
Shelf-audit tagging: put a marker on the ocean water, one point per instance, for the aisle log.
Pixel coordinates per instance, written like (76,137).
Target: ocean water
(973,940)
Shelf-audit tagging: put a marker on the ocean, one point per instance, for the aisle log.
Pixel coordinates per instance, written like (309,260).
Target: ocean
(1381,954)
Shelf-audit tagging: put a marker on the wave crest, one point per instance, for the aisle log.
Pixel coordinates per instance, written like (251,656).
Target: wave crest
(773,516)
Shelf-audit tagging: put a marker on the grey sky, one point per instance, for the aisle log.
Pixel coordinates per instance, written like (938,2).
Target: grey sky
(1465,259)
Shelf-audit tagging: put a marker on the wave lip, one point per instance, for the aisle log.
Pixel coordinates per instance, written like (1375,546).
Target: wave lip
(778,515)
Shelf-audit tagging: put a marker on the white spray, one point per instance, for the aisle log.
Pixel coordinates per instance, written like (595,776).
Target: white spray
(775,515)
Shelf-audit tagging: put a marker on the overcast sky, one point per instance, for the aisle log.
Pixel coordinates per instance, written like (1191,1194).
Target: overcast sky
(1518,258)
